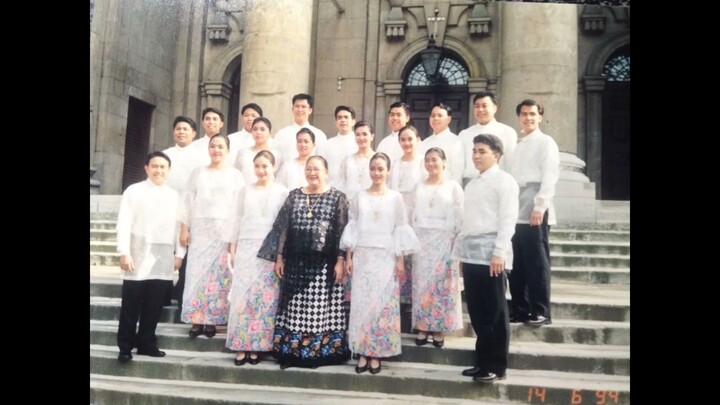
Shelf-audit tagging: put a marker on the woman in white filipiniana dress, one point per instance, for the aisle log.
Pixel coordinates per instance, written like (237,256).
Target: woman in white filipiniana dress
(292,173)
(377,238)
(354,168)
(261,131)
(437,217)
(255,286)
(407,171)
(207,210)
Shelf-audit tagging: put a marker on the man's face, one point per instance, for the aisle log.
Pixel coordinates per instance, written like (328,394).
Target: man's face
(248,117)
(183,134)
(439,119)
(344,122)
(212,124)
(483,157)
(157,170)
(301,111)
(484,110)
(397,119)
(529,118)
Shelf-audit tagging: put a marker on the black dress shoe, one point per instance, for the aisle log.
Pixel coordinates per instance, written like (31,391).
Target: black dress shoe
(439,343)
(124,357)
(519,319)
(240,362)
(362,369)
(472,372)
(374,370)
(151,353)
(486,377)
(196,331)
(254,361)
(421,342)
(210,330)
(283,366)
(538,320)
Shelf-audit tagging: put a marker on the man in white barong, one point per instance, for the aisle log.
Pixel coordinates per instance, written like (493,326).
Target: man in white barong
(213,122)
(341,145)
(398,118)
(443,138)
(243,138)
(484,249)
(285,139)
(148,242)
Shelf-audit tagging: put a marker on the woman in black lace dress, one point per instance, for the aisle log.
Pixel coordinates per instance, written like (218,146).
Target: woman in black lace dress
(311,322)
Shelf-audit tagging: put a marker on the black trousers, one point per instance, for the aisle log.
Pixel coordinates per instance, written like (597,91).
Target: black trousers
(487,306)
(141,300)
(177,291)
(530,276)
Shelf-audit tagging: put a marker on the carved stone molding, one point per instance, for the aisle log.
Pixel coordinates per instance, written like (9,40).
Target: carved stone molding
(593,19)
(395,23)
(215,89)
(479,19)
(218,33)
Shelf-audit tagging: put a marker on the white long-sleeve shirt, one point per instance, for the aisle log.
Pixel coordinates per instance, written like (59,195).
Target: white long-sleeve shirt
(390,145)
(239,140)
(149,231)
(183,162)
(488,225)
(536,159)
(285,140)
(334,151)
(202,147)
(450,144)
(507,135)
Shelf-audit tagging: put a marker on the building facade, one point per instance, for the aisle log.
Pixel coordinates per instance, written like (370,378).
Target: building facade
(154,59)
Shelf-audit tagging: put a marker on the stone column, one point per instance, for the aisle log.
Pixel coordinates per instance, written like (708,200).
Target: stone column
(539,50)
(277,44)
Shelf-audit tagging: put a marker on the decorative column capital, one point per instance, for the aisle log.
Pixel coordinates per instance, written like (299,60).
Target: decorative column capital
(215,89)
(395,23)
(594,83)
(479,19)
(593,19)
(393,87)
(477,85)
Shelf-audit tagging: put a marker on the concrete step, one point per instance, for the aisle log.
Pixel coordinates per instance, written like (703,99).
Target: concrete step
(595,275)
(103,246)
(585,247)
(435,380)
(103,235)
(599,359)
(102,224)
(104,259)
(589,260)
(589,235)
(593,226)
(113,390)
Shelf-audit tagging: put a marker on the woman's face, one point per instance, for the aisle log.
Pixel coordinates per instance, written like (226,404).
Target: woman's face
(363,137)
(378,171)
(304,145)
(315,173)
(434,164)
(260,132)
(264,169)
(218,149)
(408,141)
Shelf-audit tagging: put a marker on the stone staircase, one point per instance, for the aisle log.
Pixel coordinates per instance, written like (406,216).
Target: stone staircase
(582,358)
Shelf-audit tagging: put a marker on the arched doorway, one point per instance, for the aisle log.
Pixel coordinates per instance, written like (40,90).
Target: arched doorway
(450,86)
(616,126)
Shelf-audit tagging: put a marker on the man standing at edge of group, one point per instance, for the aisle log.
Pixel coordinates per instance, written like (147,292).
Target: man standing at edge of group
(341,145)
(213,122)
(535,165)
(398,118)
(484,109)
(484,249)
(285,141)
(148,242)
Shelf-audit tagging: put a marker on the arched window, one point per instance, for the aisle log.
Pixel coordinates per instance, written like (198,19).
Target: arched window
(450,72)
(617,67)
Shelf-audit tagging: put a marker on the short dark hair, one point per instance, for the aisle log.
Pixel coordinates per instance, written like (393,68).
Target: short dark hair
(262,119)
(155,154)
(363,123)
(445,107)
(182,118)
(492,141)
(303,96)
(345,108)
(251,106)
(213,110)
(383,156)
(306,131)
(400,104)
(529,103)
(484,94)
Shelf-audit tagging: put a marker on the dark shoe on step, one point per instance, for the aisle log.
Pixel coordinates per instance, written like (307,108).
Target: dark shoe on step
(439,343)
(375,370)
(196,331)
(254,361)
(151,353)
(472,372)
(240,362)
(124,357)
(486,377)
(210,330)
(538,320)
(519,319)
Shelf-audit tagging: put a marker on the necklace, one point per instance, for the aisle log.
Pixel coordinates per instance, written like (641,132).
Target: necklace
(436,188)
(378,204)
(310,208)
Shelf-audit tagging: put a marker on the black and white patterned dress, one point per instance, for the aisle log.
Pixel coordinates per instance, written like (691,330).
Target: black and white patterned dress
(311,322)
